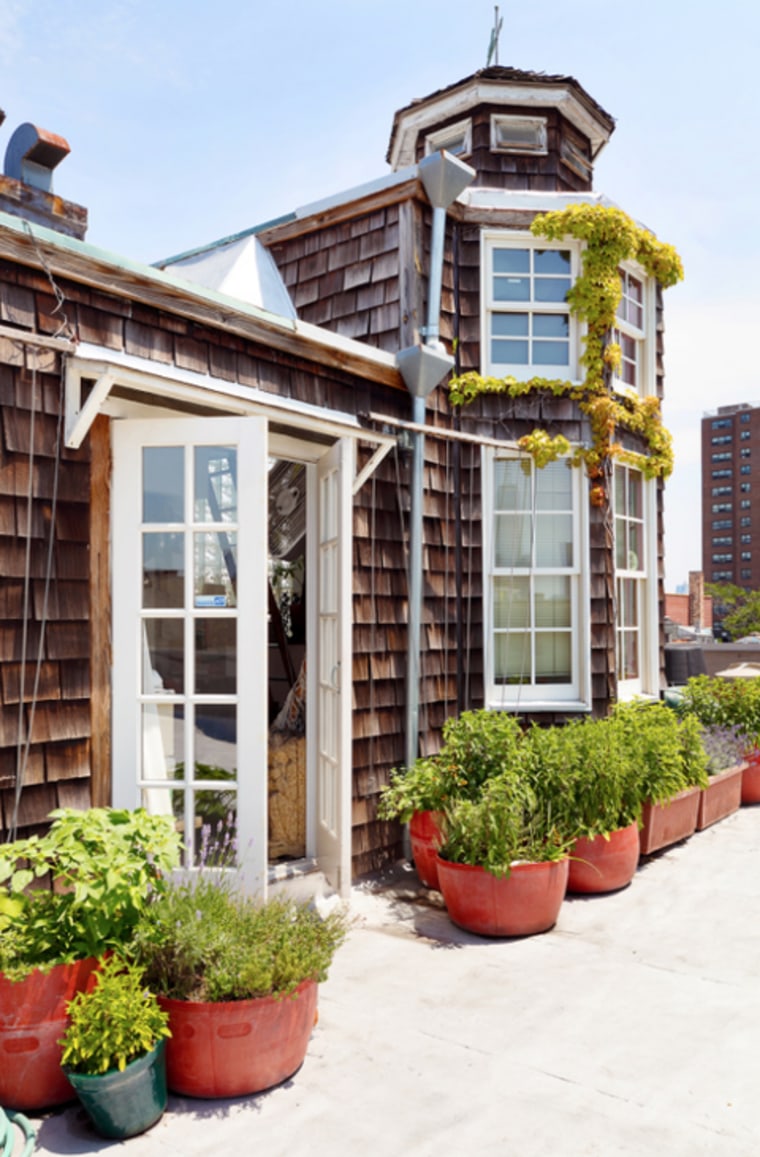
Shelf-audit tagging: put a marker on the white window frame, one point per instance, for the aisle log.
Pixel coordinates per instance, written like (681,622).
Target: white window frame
(645,365)
(534,124)
(443,139)
(492,240)
(645,576)
(573,696)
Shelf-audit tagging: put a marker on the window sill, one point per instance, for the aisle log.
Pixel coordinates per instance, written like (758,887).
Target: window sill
(523,706)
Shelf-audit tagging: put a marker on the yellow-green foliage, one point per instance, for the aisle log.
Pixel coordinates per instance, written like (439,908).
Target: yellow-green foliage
(610,237)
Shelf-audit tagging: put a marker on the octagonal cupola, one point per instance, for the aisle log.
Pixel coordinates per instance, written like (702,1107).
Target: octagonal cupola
(519,130)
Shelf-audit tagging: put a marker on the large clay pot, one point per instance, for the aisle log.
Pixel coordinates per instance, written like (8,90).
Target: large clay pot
(124,1103)
(666,823)
(32,1020)
(604,863)
(526,901)
(722,797)
(426,839)
(751,776)
(233,1048)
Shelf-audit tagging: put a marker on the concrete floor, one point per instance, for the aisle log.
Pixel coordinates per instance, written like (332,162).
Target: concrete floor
(633,1027)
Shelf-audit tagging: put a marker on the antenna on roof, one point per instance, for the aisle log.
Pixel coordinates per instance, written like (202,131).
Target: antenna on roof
(493,45)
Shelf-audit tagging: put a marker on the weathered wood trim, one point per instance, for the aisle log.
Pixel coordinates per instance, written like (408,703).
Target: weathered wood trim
(100,615)
(346,211)
(292,337)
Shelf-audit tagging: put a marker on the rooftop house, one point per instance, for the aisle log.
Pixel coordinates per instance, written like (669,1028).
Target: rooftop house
(254,555)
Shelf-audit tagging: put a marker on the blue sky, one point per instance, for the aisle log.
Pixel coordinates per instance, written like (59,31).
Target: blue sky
(189,120)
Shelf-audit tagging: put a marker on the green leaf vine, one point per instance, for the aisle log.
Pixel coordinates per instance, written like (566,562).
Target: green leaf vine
(611,237)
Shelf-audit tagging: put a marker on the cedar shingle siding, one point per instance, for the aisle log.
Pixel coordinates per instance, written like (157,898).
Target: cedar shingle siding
(361,270)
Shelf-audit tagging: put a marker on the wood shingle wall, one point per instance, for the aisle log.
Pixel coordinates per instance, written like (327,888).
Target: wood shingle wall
(565,167)
(45,589)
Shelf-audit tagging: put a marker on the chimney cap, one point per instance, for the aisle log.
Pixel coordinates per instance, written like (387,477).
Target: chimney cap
(32,154)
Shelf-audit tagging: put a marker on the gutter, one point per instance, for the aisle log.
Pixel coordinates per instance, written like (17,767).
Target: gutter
(422,368)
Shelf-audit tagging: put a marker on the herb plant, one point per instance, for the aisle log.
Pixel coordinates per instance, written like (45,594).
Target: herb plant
(666,750)
(587,769)
(476,746)
(202,941)
(113,1023)
(510,822)
(718,702)
(725,747)
(80,888)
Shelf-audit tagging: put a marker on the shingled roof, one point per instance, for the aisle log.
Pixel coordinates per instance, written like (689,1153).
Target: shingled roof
(500,75)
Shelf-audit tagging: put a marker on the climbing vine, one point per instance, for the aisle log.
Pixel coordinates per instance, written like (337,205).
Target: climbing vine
(611,237)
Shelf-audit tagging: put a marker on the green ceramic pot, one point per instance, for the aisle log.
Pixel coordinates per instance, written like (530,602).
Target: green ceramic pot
(122,1104)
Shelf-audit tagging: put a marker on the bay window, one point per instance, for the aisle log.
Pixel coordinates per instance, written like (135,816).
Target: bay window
(630,333)
(636,624)
(534,542)
(529,331)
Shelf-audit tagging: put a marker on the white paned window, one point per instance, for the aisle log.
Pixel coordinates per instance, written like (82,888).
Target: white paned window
(455,139)
(528,327)
(515,134)
(630,334)
(533,543)
(635,629)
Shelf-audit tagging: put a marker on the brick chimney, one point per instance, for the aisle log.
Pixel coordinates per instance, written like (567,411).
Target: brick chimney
(26,185)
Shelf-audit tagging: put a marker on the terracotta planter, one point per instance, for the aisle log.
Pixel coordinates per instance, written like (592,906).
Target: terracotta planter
(526,901)
(124,1103)
(751,776)
(721,798)
(667,823)
(604,863)
(426,838)
(32,1020)
(233,1048)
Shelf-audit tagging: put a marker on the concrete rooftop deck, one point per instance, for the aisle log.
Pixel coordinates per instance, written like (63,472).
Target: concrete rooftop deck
(633,1027)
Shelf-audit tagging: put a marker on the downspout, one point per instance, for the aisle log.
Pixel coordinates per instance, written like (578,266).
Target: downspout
(422,368)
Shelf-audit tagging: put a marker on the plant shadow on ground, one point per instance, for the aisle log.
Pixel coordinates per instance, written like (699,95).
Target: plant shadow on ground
(411,909)
(79,1135)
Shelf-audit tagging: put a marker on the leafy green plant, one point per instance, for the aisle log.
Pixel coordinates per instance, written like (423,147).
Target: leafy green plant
(666,750)
(80,888)
(585,767)
(509,822)
(476,746)
(731,703)
(202,941)
(114,1022)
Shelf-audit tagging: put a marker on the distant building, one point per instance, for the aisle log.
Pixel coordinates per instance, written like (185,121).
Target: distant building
(689,612)
(730,531)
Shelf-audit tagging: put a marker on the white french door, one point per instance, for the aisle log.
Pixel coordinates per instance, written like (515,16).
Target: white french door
(189,632)
(333,740)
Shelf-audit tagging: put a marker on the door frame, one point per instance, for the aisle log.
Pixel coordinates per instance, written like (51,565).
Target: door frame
(128,435)
(128,439)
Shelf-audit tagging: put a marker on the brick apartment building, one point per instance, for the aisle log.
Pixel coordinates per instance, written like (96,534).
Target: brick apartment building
(730,490)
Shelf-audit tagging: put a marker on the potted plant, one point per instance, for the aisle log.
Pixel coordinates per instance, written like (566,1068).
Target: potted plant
(594,781)
(476,746)
(671,770)
(725,748)
(503,865)
(238,979)
(65,897)
(735,704)
(113,1050)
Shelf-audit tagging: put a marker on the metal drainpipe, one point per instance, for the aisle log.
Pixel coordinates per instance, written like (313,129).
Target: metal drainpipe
(423,367)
